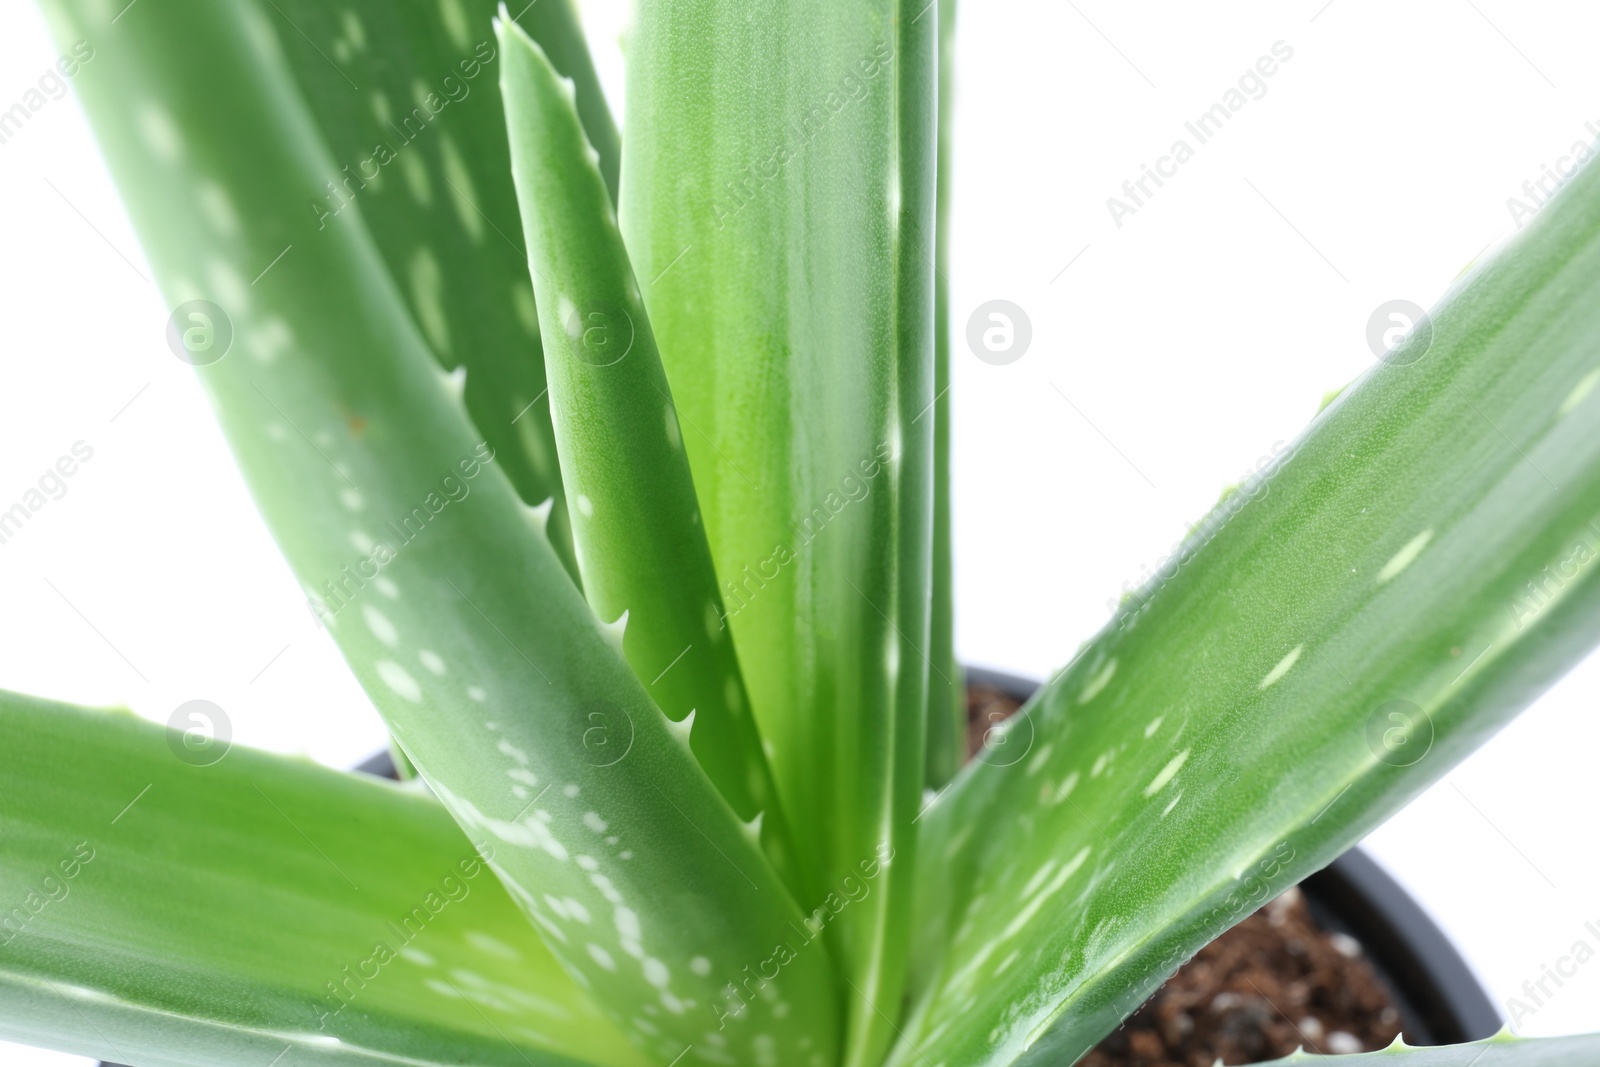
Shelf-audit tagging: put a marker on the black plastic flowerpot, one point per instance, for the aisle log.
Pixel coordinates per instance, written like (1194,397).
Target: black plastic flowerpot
(1439,1000)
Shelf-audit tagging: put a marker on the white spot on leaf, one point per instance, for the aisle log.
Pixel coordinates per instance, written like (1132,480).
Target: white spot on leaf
(1403,558)
(427,293)
(415,172)
(1580,392)
(160,133)
(1166,773)
(462,192)
(656,973)
(397,679)
(1282,668)
(218,208)
(454,18)
(1098,682)
(380,625)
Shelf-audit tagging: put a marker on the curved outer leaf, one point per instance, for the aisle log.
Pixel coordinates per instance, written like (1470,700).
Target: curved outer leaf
(156,911)
(1334,637)
(777,198)
(407,98)
(947,698)
(491,671)
(641,545)
(1501,1051)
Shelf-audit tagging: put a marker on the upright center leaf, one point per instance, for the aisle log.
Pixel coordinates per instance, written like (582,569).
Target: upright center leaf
(777,197)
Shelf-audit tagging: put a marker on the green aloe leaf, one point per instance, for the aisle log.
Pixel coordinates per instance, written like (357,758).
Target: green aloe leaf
(641,543)
(212,906)
(1501,1051)
(407,98)
(1336,635)
(777,199)
(457,615)
(947,704)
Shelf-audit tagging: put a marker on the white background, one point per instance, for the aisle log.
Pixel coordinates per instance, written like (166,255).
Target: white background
(1206,328)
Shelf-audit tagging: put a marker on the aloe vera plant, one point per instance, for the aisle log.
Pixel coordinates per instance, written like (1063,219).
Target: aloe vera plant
(617,467)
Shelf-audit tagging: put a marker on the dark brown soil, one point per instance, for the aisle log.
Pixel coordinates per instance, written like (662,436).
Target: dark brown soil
(986,709)
(1273,983)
